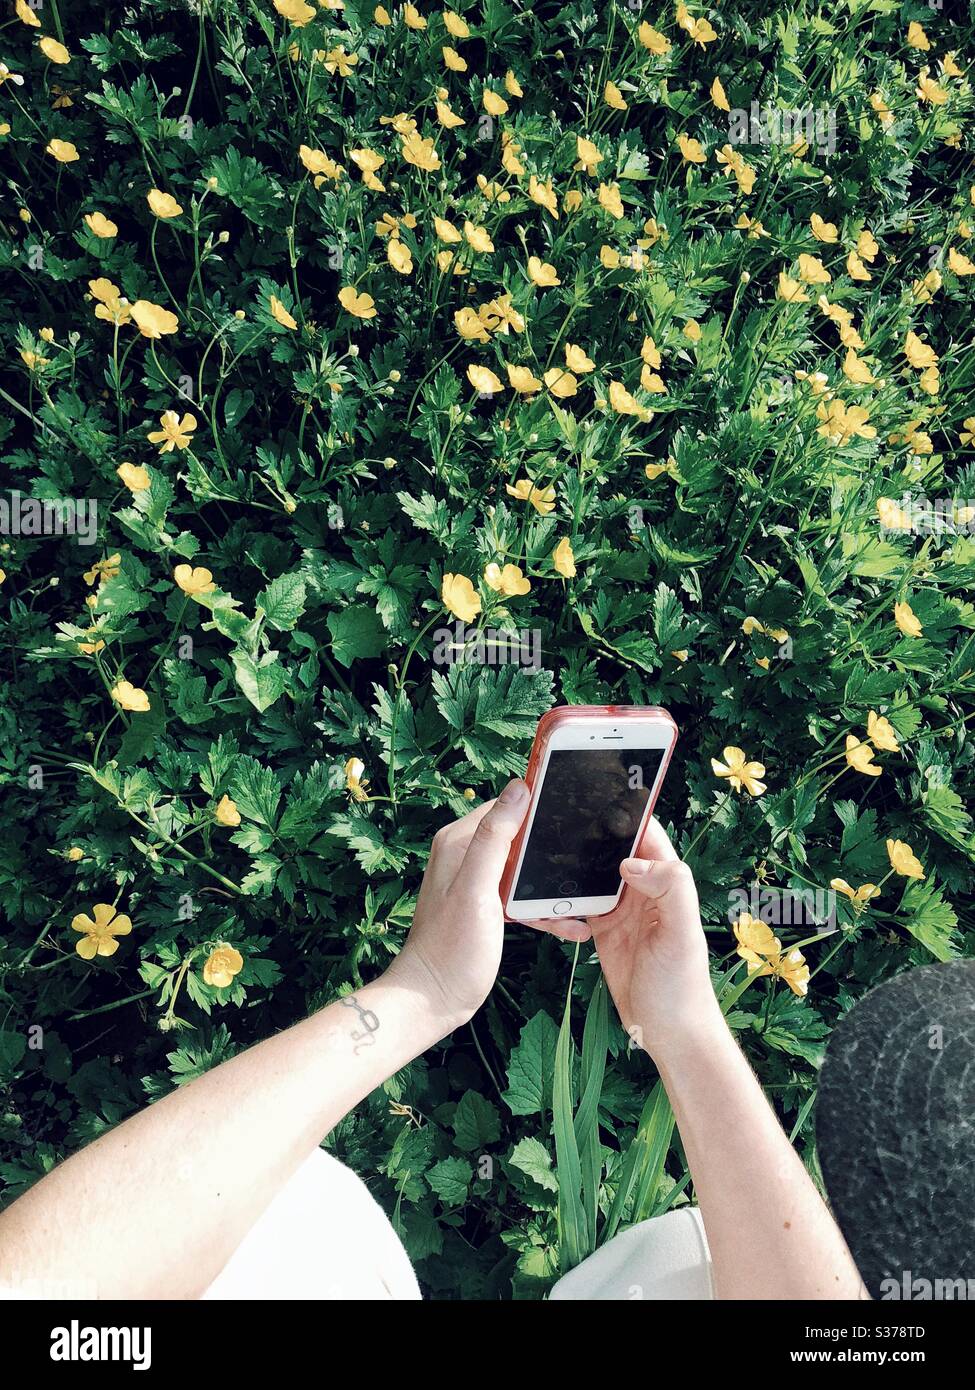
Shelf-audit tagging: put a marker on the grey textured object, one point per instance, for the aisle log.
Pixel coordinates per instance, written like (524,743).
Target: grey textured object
(895,1130)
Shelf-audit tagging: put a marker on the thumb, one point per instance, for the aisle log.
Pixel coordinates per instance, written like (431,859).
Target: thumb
(661,878)
(487,853)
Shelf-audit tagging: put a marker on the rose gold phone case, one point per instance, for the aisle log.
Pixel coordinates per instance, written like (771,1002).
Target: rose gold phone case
(556,719)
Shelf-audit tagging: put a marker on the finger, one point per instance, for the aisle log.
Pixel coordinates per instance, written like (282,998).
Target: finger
(449,847)
(483,863)
(568,928)
(654,843)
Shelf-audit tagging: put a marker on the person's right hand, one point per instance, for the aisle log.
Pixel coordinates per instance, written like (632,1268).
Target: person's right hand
(652,947)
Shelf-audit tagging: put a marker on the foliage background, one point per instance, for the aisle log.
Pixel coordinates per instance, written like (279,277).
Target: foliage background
(329,495)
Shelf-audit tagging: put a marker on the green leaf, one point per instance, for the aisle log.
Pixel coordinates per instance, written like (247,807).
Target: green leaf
(262,681)
(531,1066)
(476,1123)
(357,634)
(283,601)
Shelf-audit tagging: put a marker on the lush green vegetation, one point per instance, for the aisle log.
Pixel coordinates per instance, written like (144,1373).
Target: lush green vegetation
(324,305)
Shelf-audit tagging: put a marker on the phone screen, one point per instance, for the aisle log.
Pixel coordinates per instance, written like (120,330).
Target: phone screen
(589,811)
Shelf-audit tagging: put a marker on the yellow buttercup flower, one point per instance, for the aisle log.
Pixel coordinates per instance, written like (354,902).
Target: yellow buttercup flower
(493,103)
(656,43)
(841,423)
(589,155)
(523,380)
(296,12)
(382,17)
(541,273)
(892,517)
(319,163)
(859,756)
(62,150)
(446,231)
(226,812)
(470,325)
(742,774)
(101,226)
(718,95)
(625,404)
(917,38)
(363,306)
(812,271)
(757,944)
(903,860)
(130,697)
(453,60)
(421,152)
(53,51)
(512,86)
(455,25)
(412,18)
(544,195)
(26,15)
(478,238)
(508,581)
(99,932)
(692,330)
(867,245)
(337,60)
(563,559)
(484,380)
(447,117)
(651,382)
(928,90)
(134,476)
(222,964)
(959,264)
(858,896)
(541,498)
(398,255)
(881,732)
(164,205)
(173,433)
(691,149)
(919,353)
(103,570)
(609,198)
(577,361)
(355,784)
(153,320)
(562,384)
(613,97)
(823,230)
(856,370)
(194,581)
(906,620)
(460,597)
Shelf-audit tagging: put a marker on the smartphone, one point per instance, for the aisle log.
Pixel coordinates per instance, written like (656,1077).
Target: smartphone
(594,773)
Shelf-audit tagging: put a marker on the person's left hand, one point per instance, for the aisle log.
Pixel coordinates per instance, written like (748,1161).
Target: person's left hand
(453,950)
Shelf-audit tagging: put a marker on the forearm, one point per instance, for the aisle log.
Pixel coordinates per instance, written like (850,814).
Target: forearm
(156,1207)
(770,1234)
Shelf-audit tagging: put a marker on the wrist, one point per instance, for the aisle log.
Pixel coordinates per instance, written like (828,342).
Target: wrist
(699,1032)
(433,1015)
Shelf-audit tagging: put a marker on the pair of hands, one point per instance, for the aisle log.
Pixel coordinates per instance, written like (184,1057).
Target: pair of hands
(651,947)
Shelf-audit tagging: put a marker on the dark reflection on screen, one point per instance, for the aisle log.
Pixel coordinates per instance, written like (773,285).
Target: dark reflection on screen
(589,812)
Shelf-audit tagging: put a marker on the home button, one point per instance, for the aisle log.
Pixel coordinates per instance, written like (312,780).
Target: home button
(562,907)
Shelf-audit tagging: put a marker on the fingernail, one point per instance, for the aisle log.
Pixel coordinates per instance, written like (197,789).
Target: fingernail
(636,867)
(514,794)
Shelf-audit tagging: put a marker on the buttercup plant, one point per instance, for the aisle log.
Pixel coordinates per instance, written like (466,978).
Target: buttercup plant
(357,322)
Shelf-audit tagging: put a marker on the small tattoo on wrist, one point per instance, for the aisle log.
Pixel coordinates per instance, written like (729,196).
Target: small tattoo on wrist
(364,1036)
